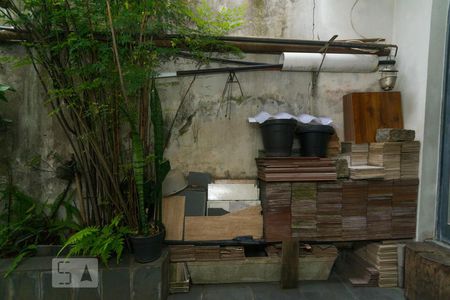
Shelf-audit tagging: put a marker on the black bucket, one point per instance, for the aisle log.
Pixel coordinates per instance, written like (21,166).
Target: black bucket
(314,139)
(278,136)
(147,248)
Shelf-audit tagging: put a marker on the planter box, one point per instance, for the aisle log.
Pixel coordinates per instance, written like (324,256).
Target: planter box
(258,269)
(126,280)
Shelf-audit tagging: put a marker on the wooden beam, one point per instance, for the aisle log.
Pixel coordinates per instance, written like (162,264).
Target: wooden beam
(289,264)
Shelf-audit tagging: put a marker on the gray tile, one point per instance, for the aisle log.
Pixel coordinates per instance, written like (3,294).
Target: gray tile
(195,293)
(227,292)
(115,284)
(146,283)
(89,294)
(273,291)
(372,293)
(24,285)
(327,290)
(4,287)
(50,293)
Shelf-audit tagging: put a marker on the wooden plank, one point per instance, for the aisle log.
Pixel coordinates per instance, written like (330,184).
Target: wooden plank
(227,227)
(364,113)
(173,217)
(289,264)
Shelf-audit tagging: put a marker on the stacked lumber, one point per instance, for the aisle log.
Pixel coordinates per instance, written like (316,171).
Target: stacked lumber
(354,210)
(181,253)
(404,206)
(334,146)
(410,155)
(386,155)
(358,153)
(178,278)
(304,209)
(358,271)
(292,169)
(379,209)
(384,258)
(394,135)
(366,172)
(276,203)
(329,204)
(185,253)
(232,253)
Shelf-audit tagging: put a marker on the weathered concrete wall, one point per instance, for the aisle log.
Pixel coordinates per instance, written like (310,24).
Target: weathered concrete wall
(203,138)
(31,145)
(226,147)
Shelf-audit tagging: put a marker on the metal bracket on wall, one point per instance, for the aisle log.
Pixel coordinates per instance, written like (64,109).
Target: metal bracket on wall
(228,93)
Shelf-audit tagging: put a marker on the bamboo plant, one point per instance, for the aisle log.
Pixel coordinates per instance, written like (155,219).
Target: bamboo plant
(97,60)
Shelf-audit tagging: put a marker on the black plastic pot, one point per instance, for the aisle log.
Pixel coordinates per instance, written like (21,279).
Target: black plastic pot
(278,136)
(147,248)
(314,139)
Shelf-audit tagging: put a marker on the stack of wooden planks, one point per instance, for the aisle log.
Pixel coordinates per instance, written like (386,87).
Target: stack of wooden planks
(366,172)
(359,153)
(185,253)
(348,210)
(334,146)
(404,206)
(304,209)
(354,210)
(410,155)
(276,203)
(379,208)
(386,155)
(329,204)
(383,255)
(292,169)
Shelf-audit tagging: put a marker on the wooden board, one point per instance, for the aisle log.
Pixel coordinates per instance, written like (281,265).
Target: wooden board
(289,264)
(173,217)
(364,113)
(227,227)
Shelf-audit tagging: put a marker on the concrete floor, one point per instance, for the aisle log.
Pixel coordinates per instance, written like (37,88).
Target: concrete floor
(333,289)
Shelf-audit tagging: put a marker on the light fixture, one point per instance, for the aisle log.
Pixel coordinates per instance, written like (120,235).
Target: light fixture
(388,74)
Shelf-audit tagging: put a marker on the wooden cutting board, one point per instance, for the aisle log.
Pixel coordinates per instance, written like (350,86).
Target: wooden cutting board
(364,113)
(173,217)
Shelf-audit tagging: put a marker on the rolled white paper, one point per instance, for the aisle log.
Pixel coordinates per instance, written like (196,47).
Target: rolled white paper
(344,63)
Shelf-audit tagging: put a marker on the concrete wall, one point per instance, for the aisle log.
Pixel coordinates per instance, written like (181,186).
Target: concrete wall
(226,147)
(204,139)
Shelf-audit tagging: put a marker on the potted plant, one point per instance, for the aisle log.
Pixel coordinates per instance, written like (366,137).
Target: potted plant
(97,61)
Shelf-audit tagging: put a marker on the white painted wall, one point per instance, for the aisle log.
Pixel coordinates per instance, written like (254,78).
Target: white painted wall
(420,32)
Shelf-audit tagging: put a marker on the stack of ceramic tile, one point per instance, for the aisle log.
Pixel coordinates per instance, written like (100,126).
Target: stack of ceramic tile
(304,209)
(276,203)
(283,169)
(334,146)
(358,271)
(384,258)
(354,210)
(366,172)
(404,205)
(329,204)
(386,155)
(379,209)
(358,153)
(410,155)
(185,253)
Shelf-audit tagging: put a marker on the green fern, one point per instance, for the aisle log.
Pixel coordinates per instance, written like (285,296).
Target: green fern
(98,242)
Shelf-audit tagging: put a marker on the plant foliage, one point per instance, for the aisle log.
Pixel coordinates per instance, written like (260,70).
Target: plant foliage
(101,242)
(26,222)
(100,57)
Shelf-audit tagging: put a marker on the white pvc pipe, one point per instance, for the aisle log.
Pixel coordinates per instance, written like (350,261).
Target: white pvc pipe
(344,63)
